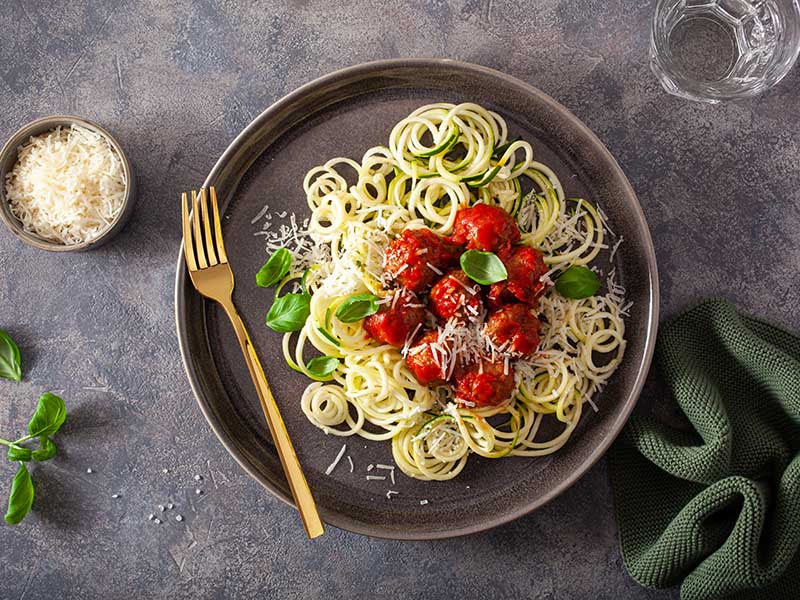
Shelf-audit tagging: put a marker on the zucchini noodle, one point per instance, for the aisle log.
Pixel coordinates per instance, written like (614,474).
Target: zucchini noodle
(439,159)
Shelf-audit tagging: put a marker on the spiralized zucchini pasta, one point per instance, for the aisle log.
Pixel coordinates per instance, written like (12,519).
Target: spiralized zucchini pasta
(448,282)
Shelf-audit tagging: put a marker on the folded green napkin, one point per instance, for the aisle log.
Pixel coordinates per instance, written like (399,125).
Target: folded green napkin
(716,504)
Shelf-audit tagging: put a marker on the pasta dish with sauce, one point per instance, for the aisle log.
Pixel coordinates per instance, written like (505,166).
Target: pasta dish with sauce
(446,287)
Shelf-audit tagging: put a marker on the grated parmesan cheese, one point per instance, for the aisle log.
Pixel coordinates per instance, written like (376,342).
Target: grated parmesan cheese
(335,462)
(614,250)
(434,269)
(67,185)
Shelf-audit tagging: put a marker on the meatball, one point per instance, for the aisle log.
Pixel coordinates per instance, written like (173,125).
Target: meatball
(514,328)
(484,383)
(525,268)
(417,258)
(422,362)
(394,322)
(456,295)
(487,228)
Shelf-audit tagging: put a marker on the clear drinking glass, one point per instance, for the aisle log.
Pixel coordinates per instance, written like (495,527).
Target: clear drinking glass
(712,50)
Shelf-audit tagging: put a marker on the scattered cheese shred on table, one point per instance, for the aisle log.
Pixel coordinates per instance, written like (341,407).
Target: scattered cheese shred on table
(335,462)
(67,185)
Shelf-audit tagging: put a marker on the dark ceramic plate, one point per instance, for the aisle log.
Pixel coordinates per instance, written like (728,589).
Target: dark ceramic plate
(344,114)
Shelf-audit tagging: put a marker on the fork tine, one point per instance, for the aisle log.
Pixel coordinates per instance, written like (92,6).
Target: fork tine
(209,240)
(188,246)
(223,257)
(198,235)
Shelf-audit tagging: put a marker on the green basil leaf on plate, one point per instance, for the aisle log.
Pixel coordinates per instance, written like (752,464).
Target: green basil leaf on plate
(578,282)
(483,267)
(289,313)
(47,451)
(18,453)
(357,307)
(275,269)
(49,416)
(322,366)
(10,364)
(21,498)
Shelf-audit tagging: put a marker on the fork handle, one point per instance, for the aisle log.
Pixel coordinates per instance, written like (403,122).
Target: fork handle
(291,466)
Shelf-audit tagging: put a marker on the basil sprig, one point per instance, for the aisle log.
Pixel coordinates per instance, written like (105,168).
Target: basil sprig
(322,366)
(289,312)
(578,282)
(275,269)
(357,307)
(47,420)
(483,267)
(10,364)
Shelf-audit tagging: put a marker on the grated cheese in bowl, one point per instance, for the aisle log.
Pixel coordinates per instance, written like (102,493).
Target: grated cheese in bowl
(67,186)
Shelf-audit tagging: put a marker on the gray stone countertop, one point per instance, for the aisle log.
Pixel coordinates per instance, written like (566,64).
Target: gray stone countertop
(176,81)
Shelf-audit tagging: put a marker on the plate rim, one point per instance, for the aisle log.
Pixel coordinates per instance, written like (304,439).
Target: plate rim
(341,521)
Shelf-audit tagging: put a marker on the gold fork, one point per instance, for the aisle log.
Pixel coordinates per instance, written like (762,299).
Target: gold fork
(211,275)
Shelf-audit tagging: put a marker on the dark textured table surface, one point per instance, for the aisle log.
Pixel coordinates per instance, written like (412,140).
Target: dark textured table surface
(175,82)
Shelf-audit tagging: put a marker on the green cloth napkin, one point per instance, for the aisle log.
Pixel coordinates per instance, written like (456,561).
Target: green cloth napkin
(717,504)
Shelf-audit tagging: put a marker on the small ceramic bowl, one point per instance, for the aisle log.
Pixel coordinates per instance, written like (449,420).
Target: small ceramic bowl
(8,158)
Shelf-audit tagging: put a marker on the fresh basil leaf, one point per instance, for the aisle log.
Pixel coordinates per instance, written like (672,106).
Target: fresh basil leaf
(483,267)
(19,453)
(322,366)
(275,269)
(49,416)
(47,451)
(578,282)
(357,307)
(289,312)
(10,365)
(21,498)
